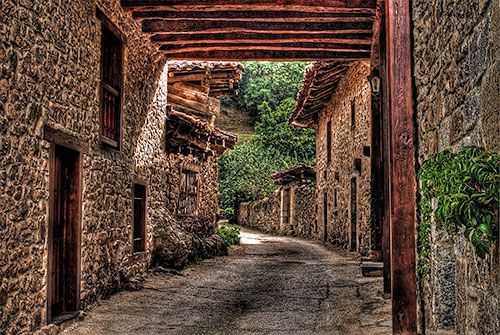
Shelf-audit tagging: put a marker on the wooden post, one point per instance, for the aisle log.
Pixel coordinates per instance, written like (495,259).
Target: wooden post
(402,167)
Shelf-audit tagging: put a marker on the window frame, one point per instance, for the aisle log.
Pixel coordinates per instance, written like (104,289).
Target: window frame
(191,170)
(107,26)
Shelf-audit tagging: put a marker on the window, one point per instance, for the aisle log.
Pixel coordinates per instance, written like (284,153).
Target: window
(329,141)
(111,83)
(357,165)
(139,229)
(188,198)
(366,151)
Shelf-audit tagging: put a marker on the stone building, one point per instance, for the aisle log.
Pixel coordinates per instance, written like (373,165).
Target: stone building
(457,96)
(93,186)
(290,209)
(335,100)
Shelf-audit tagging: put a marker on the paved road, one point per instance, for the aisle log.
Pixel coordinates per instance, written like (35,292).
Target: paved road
(268,285)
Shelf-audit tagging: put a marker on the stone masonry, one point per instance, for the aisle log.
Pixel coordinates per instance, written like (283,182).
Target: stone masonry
(350,141)
(265,214)
(457,98)
(49,76)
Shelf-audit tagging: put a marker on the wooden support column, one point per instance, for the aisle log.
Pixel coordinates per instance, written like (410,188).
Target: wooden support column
(381,147)
(376,156)
(402,167)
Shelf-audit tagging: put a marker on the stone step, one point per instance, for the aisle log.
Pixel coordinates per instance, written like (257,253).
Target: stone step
(372,269)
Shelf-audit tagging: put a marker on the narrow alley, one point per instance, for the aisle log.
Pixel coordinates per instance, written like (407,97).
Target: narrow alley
(268,285)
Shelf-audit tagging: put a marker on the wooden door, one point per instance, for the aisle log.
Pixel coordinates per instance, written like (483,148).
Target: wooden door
(64,234)
(354,214)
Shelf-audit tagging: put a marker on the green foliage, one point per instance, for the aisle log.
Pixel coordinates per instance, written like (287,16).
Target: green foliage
(466,186)
(272,82)
(268,90)
(229,233)
(276,134)
(245,173)
(228,213)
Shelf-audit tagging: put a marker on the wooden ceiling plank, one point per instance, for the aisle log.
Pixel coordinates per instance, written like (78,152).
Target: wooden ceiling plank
(186,26)
(267,16)
(248,4)
(263,38)
(269,55)
(283,46)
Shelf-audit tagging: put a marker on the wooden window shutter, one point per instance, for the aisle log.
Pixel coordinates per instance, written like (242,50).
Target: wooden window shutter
(111,84)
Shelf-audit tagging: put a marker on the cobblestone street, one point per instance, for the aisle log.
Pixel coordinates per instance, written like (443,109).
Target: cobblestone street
(268,285)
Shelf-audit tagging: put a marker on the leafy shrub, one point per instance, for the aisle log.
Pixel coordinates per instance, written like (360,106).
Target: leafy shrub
(229,233)
(466,186)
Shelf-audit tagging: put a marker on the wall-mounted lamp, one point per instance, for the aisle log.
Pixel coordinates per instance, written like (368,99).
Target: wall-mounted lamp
(375,82)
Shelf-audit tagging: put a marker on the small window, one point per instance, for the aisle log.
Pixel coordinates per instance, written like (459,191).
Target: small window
(329,141)
(357,165)
(139,232)
(366,151)
(188,198)
(111,85)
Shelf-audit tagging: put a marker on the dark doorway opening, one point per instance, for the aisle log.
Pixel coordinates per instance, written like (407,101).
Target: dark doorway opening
(354,214)
(63,296)
(139,235)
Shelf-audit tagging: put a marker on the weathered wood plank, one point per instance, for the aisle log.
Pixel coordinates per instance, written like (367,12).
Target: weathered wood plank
(269,55)
(270,37)
(268,16)
(190,26)
(244,4)
(227,75)
(259,46)
(210,106)
(402,167)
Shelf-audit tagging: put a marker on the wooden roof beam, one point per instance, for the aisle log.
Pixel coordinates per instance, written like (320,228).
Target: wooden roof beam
(357,37)
(189,26)
(267,16)
(258,46)
(269,55)
(243,4)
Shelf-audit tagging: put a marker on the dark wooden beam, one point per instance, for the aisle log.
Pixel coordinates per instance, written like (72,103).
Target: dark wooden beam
(402,167)
(258,46)
(263,38)
(268,16)
(269,55)
(243,4)
(190,26)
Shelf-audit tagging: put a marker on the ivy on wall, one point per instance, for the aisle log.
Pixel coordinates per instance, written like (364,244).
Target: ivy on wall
(466,189)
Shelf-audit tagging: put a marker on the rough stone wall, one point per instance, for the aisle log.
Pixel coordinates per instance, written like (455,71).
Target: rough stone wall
(456,68)
(347,145)
(304,217)
(49,75)
(262,214)
(265,214)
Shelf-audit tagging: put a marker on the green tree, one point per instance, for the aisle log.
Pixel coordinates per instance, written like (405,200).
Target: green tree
(277,135)
(268,91)
(271,82)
